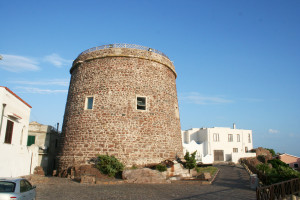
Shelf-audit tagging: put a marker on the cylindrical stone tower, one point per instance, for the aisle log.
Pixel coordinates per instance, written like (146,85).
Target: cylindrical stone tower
(122,101)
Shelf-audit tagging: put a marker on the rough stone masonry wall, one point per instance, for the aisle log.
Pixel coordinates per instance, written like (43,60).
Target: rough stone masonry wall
(115,77)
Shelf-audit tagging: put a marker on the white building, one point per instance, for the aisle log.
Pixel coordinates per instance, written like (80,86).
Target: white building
(15,158)
(218,144)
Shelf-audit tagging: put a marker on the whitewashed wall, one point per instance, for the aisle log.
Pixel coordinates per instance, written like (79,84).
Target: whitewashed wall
(236,157)
(207,145)
(15,158)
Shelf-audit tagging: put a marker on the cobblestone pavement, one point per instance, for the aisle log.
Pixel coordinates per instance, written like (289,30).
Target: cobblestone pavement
(231,183)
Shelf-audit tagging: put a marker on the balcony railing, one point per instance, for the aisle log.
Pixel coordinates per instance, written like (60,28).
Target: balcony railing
(129,46)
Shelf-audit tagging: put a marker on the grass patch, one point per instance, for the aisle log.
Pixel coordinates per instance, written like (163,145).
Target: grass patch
(212,170)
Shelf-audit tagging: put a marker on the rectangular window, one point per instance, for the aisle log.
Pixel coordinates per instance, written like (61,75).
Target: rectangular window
(6,186)
(238,139)
(235,150)
(296,165)
(230,138)
(9,132)
(216,137)
(31,140)
(246,149)
(249,138)
(141,103)
(89,102)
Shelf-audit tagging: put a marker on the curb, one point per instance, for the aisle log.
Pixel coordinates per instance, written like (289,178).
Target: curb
(210,182)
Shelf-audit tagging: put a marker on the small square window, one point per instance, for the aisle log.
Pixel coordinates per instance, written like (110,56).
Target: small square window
(89,103)
(141,103)
(235,150)
(296,165)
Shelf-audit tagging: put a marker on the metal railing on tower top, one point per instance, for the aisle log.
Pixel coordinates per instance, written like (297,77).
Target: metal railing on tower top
(129,46)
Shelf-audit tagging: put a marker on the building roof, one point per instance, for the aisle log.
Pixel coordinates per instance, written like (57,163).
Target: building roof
(16,96)
(289,155)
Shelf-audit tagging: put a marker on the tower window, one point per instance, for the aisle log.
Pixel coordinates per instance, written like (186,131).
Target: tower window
(89,102)
(141,103)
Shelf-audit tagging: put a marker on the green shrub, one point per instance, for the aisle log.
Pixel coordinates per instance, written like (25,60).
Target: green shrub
(190,160)
(261,158)
(272,151)
(279,172)
(161,167)
(264,168)
(108,165)
(276,163)
(133,167)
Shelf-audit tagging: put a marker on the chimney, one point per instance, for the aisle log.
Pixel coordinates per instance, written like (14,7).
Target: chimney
(233,125)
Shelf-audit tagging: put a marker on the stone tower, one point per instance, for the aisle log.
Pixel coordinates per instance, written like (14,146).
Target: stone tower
(122,101)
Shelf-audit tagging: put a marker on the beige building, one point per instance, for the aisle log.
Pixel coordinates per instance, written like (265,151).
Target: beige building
(46,138)
(292,161)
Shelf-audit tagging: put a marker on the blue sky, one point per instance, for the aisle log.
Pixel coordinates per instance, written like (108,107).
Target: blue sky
(237,61)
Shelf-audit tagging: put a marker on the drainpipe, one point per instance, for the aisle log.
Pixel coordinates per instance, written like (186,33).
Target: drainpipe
(3,107)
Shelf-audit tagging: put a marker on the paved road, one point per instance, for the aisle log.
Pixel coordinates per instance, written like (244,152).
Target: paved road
(231,183)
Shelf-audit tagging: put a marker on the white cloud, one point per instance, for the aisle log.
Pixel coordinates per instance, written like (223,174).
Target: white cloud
(60,82)
(196,98)
(39,90)
(56,60)
(16,63)
(273,131)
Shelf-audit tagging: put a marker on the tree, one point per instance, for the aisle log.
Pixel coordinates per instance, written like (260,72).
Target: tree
(190,160)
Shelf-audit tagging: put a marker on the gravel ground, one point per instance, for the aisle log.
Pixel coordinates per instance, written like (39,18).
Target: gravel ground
(232,182)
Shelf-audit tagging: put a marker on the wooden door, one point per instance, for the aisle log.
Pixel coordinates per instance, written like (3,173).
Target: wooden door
(218,155)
